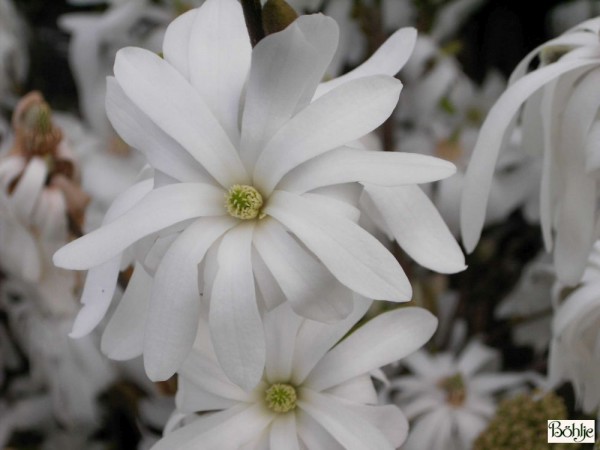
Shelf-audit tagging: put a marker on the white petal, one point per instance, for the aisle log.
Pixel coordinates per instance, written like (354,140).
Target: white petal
(313,435)
(283,433)
(311,289)
(469,426)
(496,382)
(162,151)
(347,165)
(358,390)
(123,337)
(177,42)
(219,54)
(347,427)
(235,323)
(352,255)
(314,339)
(474,357)
(286,68)
(481,167)
(225,430)
(343,115)
(175,302)
(418,227)
(159,209)
(163,94)
(387,60)
(28,189)
(421,435)
(386,338)
(281,327)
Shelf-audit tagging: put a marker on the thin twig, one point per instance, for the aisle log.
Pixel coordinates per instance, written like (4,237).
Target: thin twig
(253,16)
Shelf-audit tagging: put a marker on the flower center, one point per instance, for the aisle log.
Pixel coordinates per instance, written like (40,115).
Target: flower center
(281,398)
(454,386)
(243,202)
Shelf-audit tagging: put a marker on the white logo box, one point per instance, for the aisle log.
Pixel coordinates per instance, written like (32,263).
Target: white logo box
(571,431)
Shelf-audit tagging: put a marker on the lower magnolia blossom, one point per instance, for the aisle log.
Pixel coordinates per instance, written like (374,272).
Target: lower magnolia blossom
(559,122)
(575,347)
(449,399)
(313,393)
(255,191)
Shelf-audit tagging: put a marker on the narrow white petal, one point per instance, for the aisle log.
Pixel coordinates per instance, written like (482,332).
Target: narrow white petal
(469,426)
(347,165)
(123,337)
(387,60)
(162,151)
(387,338)
(235,323)
(219,54)
(313,435)
(159,209)
(175,303)
(163,94)
(346,426)
(28,189)
(286,68)
(283,433)
(354,257)
(481,167)
(343,115)
(358,390)
(474,357)
(314,339)
(418,227)
(177,42)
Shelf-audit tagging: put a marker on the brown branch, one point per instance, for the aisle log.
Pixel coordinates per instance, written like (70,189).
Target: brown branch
(253,16)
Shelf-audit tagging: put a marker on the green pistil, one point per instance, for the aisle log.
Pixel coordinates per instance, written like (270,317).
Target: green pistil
(454,387)
(281,398)
(243,202)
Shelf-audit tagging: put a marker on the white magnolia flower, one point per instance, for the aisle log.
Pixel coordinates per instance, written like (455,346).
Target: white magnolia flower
(559,123)
(39,194)
(449,399)
(257,176)
(313,393)
(575,347)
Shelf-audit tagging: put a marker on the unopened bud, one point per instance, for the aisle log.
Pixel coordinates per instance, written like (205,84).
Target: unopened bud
(277,15)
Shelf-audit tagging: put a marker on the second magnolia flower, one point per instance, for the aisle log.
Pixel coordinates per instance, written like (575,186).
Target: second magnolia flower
(224,126)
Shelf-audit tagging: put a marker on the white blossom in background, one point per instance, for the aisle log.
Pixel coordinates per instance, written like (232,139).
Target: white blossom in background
(39,194)
(558,123)
(313,393)
(14,56)
(566,15)
(263,195)
(575,347)
(529,304)
(449,398)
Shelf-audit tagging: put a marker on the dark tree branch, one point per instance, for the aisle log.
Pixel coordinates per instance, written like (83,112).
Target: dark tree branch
(253,16)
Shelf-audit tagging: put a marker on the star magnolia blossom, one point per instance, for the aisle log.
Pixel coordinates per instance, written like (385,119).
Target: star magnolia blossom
(559,123)
(313,394)
(575,346)
(247,149)
(452,395)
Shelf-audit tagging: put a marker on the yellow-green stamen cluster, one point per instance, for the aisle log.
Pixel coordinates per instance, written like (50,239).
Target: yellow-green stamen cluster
(281,398)
(454,386)
(521,422)
(243,202)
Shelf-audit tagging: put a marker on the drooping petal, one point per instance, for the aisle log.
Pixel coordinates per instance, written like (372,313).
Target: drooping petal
(353,256)
(347,165)
(175,302)
(123,337)
(346,426)
(481,167)
(162,151)
(235,323)
(418,227)
(285,66)
(343,115)
(159,209)
(140,73)
(387,60)
(388,337)
(310,288)
(219,54)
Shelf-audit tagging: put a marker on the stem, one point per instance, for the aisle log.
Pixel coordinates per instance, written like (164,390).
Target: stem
(253,17)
